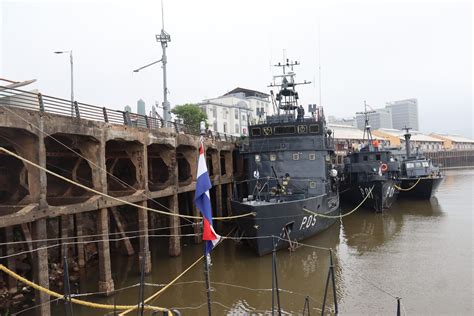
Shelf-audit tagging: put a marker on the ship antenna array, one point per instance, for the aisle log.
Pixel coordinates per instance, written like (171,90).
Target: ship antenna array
(366,124)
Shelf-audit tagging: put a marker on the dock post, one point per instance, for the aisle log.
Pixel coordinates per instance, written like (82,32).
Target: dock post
(330,275)
(67,288)
(398,306)
(275,287)
(144,240)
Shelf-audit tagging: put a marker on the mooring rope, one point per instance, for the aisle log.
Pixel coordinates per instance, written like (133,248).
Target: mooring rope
(75,300)
(115,198)
(402,189)
(341,215)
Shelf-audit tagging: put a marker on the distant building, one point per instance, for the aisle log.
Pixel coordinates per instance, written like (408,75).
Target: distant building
(381,118)
(418,141)
(141,107)
(454,142)
(404,113)
(232,112)
(342,121)
(127,108)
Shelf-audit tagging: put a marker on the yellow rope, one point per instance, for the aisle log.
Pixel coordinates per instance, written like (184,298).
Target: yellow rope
(341,216)
(112,197)
(402,189)
(75,300)
(164,288)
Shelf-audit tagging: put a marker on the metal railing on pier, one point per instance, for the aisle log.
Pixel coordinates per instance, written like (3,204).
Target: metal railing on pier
(35,101)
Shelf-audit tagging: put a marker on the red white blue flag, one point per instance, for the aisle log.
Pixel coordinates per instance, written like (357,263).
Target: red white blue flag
(203,202)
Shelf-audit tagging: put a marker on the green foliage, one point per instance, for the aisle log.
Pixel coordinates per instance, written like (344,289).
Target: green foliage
(191,115)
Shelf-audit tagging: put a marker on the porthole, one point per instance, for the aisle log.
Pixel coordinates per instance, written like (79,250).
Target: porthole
(312,156)
(296,156)
(273,157)
(312,184)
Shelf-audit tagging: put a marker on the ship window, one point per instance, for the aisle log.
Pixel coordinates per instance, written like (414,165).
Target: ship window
(366,158)
(312,156)
(339,159)
(312,184)
(314,128)
(377,157)
(273,157)
(296,156)
(282,130)
(256,131)
(418,164)
(410,165)
(425,164)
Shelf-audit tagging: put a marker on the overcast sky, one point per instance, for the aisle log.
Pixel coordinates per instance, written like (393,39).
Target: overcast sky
(377,51)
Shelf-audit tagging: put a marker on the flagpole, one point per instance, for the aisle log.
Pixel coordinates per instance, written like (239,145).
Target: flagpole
(208,281)
(207,255)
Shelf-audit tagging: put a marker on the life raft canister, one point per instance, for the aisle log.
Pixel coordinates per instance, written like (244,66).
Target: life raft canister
(384,167)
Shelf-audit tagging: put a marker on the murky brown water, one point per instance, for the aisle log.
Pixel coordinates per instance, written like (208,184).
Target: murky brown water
(421,251)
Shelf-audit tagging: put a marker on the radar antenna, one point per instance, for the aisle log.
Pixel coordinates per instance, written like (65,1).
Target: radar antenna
(287,97)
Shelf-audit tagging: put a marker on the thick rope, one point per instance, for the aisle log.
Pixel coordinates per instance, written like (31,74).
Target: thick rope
(114,198)
(163,289)
(75,300)
(341,215)
(402,189)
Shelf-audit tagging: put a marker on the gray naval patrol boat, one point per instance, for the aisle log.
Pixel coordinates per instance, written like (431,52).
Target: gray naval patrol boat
(420,178)
(289,173)
(370,174)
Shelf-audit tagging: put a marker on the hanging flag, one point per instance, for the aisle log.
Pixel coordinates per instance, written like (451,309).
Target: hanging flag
(203,202)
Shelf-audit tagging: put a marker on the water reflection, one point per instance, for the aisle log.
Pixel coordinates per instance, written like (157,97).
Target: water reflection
(398,250)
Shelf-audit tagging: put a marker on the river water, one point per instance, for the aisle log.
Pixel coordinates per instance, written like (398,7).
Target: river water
(421,251)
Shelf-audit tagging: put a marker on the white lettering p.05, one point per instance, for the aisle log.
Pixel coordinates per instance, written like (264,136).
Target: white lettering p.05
(307,222)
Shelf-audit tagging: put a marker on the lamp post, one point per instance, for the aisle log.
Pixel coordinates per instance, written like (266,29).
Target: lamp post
(72,77)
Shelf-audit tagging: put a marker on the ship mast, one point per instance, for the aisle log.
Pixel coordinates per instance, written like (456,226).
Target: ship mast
(367,127)
(407,141)
(287,97)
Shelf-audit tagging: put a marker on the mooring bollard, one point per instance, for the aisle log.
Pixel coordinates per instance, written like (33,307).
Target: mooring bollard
(398,305)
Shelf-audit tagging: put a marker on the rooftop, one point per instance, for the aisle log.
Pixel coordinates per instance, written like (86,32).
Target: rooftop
(454,138)
(247,92)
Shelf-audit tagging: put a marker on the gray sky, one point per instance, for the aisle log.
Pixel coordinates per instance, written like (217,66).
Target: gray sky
(377,51)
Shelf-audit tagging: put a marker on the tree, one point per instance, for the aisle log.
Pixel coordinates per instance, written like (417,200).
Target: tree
(191,115)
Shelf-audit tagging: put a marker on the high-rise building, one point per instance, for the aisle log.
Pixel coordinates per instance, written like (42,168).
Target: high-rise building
(404,113)
(380,118)
(141,107)
(128,109)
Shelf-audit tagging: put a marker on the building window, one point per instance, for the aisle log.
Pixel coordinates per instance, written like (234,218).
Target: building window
(244,118)
(225,127)
(224,114)
(236,114)
(215,126)
(214,112)
(237,128)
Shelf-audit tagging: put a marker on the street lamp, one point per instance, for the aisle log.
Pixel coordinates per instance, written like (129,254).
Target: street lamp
(72,78)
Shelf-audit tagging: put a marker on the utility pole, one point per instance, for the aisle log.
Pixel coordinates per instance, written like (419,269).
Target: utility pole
(164,38)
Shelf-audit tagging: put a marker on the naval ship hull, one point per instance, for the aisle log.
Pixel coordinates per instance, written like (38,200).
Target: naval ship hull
(284,219)
(382,196)
(424,189)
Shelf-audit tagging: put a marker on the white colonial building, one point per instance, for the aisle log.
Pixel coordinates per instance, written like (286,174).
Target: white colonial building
(232,112)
